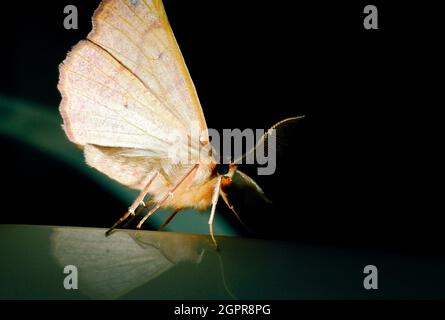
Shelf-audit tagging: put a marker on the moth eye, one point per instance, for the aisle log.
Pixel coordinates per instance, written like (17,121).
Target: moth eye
(223,169)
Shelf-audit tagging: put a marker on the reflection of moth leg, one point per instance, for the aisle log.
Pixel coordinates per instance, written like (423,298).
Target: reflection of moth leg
(139,200)
(169,219)
(169,194)
(215,198)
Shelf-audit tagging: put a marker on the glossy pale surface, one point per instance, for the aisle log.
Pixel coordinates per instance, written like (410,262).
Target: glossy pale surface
(156,265)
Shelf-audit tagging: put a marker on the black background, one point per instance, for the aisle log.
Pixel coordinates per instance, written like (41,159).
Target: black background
(362,169)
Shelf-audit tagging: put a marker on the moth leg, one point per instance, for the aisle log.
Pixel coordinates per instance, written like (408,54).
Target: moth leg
(229,204)
(169,219)
(145,205)
(136,214)
(169,194)
(215,198)
(139,200)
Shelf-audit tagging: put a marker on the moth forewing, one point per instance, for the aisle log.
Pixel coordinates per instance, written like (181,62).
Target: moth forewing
(125,90)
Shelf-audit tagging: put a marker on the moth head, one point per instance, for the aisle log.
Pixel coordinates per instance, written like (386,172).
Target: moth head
(226,171)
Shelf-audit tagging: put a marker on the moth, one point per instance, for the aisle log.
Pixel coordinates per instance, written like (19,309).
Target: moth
(124,89)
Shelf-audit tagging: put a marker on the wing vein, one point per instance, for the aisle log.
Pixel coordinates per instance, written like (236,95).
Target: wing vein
(114,111)
(146,86)
(123,118)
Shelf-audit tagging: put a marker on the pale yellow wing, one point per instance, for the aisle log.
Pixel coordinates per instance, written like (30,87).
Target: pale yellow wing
(138,35)
(134,172)
(127,87)
(105,104)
